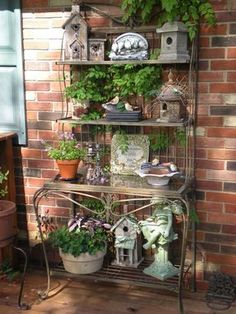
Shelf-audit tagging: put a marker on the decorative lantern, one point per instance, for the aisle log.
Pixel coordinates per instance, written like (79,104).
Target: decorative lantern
(172,102)
(76,36)
(96,49)
(128,243)
(174,37)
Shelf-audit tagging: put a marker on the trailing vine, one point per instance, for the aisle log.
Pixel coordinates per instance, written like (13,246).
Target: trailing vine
(190,12)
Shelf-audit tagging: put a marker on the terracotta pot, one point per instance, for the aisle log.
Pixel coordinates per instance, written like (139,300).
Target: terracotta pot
(68,168)
(7,222)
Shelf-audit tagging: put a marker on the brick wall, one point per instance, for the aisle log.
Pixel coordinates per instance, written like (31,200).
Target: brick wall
(216,146)
(216,121)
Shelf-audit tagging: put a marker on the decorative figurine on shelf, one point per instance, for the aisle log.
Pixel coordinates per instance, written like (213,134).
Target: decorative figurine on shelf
(95,173)
(129,46)
(158,231)
(127,242)
(172,100)
(76,36)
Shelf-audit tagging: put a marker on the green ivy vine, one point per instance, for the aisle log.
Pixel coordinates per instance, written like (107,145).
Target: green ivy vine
(190,12)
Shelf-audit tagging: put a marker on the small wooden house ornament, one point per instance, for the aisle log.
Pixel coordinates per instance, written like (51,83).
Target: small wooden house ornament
(172,101)
(75,37)
(96,49)
(174,37)
(128,243)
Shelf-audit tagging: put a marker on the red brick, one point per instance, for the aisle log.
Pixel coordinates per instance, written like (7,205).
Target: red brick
(230,208)
(50,96)
(39,106)
(231,53)
(219,5)
(203,87)
(222,154)
(229,229)
(210,121)
(231,77)
(223,88)
(209,185)
(36,3)
(202,110)
(61,212)
(218,29)
(229,270)
(209,142)
(37,86)
(98,22)
(211,99)
(49,173)
(212,53)
(200,174)
(229,16)
(222,175)
(221,259)
(223,65)
(36,182)
(210,164)
(222,132)
(30,153)
(31,115)
(204,41)
(43,164)
(221,197)
(209,206)
(201,153)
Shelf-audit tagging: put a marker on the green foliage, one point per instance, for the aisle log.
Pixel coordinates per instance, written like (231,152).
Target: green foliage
(180,135)
(101,83)
(189,12)
(95,205)
(91,115)
(159,141)
(3,177)
(7,269)
(122,141)
(67,148)
(78,241)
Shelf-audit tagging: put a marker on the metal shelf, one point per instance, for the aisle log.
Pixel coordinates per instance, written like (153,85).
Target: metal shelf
(147,122)
(121,62)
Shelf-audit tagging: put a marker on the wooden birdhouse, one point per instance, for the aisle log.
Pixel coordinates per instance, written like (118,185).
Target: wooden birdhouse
(128,243)
(172,101)
(174,38)
(75,37)
(96,49)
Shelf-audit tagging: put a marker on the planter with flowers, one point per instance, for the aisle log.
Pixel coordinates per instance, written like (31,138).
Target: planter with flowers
(68,153)
(82,244)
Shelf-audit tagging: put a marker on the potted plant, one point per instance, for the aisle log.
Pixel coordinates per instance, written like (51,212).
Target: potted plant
(7,213)
(82,244)
(67,153)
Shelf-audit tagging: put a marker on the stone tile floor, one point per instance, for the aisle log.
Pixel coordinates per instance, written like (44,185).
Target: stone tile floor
(72,296)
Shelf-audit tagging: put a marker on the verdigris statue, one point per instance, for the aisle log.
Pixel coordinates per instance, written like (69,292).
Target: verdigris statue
(158,232)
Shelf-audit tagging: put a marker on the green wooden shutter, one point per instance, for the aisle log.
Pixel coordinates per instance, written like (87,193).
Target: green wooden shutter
(12,103)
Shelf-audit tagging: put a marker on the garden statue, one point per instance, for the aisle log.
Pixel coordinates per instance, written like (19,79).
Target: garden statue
(158,232)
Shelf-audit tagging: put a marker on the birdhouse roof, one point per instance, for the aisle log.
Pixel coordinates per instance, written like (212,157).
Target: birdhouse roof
(172,27)
(70,19)
(121,220)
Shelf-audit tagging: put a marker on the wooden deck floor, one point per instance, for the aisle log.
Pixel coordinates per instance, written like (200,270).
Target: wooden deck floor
(72,296)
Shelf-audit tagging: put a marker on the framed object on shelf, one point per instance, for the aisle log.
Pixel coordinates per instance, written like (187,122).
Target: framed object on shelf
(128,161)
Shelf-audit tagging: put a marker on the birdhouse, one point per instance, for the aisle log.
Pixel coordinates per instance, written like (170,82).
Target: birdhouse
(174,38)
(75,36)
(96,49)
(128,243)
(172,101)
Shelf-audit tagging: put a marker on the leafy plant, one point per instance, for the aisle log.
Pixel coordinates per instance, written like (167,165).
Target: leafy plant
(159,141)
(122,141)
(3,177)
(67,149)
(180,134)
(83,234)
(189,12)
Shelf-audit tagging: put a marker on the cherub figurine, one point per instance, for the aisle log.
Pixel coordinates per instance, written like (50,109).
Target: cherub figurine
(158,232)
